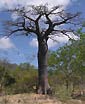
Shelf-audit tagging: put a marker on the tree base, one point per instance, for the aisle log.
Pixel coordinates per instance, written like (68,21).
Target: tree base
(48,91)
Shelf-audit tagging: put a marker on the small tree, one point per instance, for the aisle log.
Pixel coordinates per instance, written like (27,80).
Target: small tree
(69,61)
(43,22)
(5,78)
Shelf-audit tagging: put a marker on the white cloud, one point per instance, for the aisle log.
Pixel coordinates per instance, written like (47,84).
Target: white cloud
(33,42)
(55,41)
(50,2)
(5,43)
(13,3)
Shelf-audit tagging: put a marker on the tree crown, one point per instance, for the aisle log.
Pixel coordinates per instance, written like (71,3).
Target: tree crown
(40,20)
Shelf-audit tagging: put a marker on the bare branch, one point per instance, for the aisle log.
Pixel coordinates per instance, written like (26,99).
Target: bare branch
(66,20)
(38,18)
(30,20)
(53,9)
(54,39)
(14,31)
(50,28)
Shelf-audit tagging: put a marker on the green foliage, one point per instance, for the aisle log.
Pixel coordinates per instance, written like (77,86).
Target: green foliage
(18,80)
(25,80)
(67,65)
(5,78)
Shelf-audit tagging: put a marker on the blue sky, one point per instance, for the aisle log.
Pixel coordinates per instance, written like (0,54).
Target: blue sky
(19,49)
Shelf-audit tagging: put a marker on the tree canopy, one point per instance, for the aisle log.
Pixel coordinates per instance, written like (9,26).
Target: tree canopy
(69,61)
(40,20)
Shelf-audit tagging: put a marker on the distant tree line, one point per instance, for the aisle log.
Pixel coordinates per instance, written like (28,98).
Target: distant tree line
(17,78)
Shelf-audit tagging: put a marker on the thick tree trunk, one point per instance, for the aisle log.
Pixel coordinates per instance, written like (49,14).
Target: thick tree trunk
(43,85)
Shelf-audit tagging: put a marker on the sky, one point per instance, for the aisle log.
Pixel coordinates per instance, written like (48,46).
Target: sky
(19,49)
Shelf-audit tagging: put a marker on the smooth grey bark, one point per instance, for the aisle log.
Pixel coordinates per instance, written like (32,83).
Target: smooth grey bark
(43,85)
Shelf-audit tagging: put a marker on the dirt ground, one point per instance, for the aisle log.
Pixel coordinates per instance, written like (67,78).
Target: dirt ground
(34,99)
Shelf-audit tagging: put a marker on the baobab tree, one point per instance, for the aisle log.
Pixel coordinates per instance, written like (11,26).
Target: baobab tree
(43,23)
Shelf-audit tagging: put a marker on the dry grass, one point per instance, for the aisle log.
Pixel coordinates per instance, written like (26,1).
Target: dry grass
(33,99)
(27,99)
